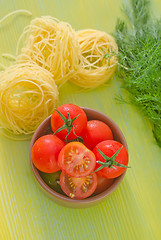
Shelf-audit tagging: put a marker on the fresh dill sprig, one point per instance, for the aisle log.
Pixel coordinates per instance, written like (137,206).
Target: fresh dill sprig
(139,43)
(107,55)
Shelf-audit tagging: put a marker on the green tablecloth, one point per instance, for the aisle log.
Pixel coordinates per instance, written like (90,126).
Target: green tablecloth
(132,212)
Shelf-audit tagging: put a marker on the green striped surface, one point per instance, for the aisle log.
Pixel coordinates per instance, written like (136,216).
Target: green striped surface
(133,211)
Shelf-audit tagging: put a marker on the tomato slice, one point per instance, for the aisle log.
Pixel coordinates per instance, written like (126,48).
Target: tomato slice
(78,188)
(76,160)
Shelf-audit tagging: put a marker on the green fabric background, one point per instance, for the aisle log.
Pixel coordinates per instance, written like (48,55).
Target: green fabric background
(133,211)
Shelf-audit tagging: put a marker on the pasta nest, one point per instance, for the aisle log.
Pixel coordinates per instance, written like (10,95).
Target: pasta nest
(28,95)
(53,45)
(98,58)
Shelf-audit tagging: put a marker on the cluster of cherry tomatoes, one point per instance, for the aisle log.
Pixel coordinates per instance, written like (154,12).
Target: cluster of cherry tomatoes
(80,155)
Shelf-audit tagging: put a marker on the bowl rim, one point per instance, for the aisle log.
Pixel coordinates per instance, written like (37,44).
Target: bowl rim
(63,198)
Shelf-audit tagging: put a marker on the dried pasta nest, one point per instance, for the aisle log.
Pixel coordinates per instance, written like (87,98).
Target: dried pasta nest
(98,58)
(53,45)
(28,94)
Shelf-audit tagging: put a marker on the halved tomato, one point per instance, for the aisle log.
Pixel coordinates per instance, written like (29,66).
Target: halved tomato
(78,188)
(76,160)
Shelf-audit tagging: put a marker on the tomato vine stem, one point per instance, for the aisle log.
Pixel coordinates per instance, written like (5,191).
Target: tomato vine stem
(109,162)
(68,124)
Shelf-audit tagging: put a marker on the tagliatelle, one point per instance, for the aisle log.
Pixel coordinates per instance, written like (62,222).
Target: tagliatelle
(53,45)
(98,58)
(28,95)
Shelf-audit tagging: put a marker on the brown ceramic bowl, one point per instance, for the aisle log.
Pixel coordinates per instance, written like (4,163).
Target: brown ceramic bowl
(63,200)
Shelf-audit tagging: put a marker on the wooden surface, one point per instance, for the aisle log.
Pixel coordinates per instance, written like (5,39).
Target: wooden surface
(133,211)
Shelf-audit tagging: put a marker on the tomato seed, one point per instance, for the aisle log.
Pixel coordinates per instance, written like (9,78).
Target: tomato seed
(87,160)
(71,195)
(68,160)
(76,151)
(88,181)
(76,167)
(85,165)
(84,187)
(72,186)
(89,177)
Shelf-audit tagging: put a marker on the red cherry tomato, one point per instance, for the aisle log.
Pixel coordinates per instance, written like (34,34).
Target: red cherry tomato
(76,160)
(71,120)
(95,132)
(103,184)
(78,188)
(109,148)
(45,153)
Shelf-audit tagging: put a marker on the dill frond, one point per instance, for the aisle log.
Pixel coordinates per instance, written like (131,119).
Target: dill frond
(139,42)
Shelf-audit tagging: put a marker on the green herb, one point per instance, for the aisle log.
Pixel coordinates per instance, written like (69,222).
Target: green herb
(107,55)
(139,43)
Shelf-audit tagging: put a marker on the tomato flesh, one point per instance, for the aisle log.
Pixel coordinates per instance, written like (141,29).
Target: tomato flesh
(109,147)
(96,132)
(78,188)
(76,160)
(45,153)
